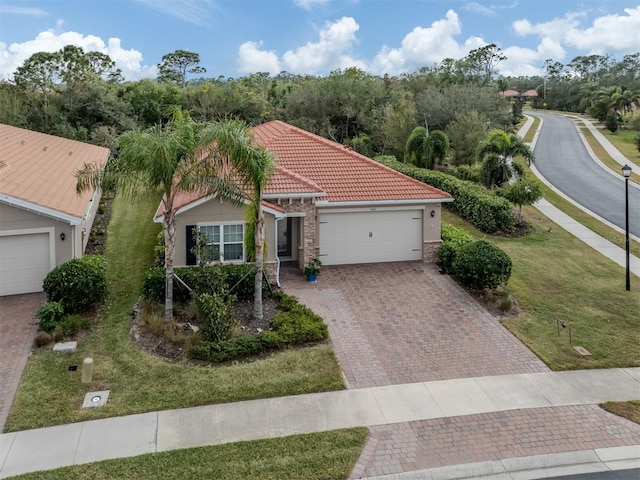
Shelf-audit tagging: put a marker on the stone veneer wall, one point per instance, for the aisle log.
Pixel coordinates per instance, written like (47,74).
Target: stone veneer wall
(430,251)
(271,270)
(309,247)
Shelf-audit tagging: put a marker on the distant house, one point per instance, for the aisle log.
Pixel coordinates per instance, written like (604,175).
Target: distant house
(510,94)
(43,222)
(324,200)
(533,93)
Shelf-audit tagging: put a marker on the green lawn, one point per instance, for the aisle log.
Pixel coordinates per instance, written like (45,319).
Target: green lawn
(50,394)
(557,278)
(605,158)
(318,456)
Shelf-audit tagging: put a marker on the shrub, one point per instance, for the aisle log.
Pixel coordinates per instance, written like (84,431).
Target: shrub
(484,209)
(78,283)
(217,316)
(50,314)
(42,339)
(296,324)
(481,265)
(452,239)
(467,172)
(73,324)
(219,278)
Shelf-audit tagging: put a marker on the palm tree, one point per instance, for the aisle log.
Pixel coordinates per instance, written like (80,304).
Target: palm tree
(426,149)
(164,160)
(253,166)
(496,155)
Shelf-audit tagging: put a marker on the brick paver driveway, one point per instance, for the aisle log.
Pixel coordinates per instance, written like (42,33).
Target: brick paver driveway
(17,329)
(404,322)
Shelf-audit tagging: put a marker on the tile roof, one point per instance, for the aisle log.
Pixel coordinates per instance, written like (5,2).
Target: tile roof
(39,169)
(309,165)
(344,175)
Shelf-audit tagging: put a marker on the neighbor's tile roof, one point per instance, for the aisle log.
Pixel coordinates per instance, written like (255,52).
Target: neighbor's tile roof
(39,169)
(344,175)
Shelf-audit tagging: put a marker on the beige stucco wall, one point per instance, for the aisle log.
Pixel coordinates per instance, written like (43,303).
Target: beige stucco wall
(216,211)
(14,219)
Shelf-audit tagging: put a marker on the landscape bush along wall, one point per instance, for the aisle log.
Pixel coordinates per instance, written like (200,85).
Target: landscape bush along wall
(78,283)
(485,210)
(294,325)
(220,278)
(452,239)
(481,265)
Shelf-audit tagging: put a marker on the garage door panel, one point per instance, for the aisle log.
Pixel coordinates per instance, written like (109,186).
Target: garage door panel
(368,237)
(24,262)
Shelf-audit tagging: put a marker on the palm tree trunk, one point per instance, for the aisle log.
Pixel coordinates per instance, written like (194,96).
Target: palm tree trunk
(257,286)
(169,249)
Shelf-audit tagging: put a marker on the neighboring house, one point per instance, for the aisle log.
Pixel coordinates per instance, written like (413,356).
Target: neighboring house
(324,200)
(43,222)
(533,93)
(510,94)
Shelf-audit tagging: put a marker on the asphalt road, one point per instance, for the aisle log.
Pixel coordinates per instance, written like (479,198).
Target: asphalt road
(633,474)
(563,160)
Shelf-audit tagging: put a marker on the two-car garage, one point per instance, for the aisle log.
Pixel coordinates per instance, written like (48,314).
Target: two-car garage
(368,236)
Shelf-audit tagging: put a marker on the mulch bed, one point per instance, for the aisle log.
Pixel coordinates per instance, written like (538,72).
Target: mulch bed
(160,345)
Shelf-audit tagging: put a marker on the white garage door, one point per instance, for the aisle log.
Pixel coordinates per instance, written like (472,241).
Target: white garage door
(369,237)
(24,262)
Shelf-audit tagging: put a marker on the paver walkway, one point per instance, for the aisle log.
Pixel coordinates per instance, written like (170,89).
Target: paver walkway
(17,330)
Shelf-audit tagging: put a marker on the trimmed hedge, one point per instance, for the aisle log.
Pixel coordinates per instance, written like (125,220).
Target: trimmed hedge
(485,210)
(294,325)
(480,265)
(452,239)
(78,283)
(218,278)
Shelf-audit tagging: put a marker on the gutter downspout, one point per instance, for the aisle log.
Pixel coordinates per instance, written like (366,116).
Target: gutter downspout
(275,243)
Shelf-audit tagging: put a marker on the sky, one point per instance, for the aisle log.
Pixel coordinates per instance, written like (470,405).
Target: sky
(235,38)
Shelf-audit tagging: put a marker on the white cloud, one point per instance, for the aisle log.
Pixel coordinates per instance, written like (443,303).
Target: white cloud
(328,53)
(251,59)
(309,4)
(476,7)
(191,11)
(129,61)
(426,46)
(608,34)
(12,10)
(528,62)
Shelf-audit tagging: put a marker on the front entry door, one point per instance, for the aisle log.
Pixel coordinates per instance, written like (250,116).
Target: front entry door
(284,237)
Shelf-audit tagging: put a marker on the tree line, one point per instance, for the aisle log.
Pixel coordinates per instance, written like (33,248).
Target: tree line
(82,95)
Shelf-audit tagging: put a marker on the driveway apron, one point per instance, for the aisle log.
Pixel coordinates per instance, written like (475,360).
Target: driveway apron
(17,330)
(398,323)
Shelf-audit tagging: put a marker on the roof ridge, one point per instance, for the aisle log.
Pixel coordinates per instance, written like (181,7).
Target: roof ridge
(340,147)
(298,177)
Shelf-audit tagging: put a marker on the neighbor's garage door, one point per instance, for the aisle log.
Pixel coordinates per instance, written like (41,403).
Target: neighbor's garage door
(368,237)
(24,262)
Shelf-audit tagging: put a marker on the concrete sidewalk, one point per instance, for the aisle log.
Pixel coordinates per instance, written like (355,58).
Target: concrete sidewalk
(276,417)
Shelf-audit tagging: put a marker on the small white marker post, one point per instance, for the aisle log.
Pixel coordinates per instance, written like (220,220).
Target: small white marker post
(87,370)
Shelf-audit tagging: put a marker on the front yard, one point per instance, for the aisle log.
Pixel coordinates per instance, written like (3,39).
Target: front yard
(50,394)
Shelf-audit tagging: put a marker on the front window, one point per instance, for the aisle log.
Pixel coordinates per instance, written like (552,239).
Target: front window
(224,242)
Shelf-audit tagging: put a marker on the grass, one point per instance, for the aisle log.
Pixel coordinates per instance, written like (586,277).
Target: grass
(604,157)
(557,278)
(317,456)
(50,394)
(628,410)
